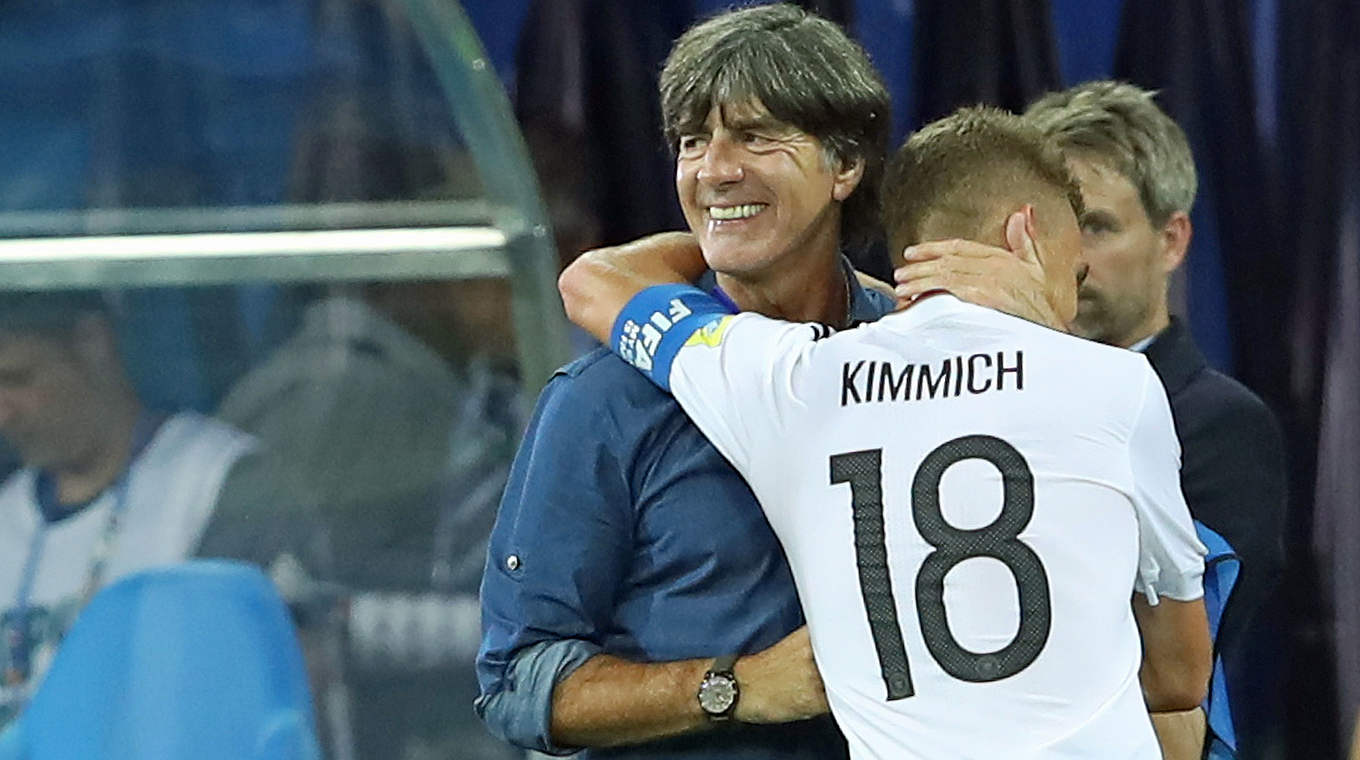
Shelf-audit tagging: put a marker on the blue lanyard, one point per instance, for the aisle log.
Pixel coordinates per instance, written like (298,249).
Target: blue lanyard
(20,643)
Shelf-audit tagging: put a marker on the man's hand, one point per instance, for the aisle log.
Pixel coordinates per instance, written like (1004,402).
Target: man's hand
(780,684)
(1006,280)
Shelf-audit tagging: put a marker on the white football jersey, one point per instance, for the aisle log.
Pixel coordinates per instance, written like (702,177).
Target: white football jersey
(968,502)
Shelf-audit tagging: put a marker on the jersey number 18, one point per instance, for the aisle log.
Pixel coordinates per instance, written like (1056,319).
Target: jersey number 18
(999,539)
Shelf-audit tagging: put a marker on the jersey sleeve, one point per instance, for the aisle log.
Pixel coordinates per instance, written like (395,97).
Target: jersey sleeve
(1170,556)
(734,374)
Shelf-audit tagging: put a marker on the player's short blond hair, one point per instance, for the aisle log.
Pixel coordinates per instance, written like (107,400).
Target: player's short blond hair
(960,175)
(1120,124)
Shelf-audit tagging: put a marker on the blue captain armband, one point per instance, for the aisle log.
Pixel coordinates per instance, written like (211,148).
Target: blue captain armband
(655,324)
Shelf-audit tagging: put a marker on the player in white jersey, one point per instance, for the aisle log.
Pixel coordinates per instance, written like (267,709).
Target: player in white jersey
(967,500)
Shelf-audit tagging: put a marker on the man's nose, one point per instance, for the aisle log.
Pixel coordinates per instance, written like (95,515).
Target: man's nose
(721,163)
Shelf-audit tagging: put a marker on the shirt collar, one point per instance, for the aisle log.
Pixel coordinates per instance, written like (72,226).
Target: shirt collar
(1142,345)
(866,305)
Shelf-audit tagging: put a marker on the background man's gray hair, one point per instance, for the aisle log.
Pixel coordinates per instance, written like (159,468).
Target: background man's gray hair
(804,70)
(1121,125)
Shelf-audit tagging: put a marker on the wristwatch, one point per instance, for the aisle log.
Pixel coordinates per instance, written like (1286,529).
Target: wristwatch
(718,691)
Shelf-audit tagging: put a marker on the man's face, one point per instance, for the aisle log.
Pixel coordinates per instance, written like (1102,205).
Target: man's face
(45,395)
(756,191)
(1127,275)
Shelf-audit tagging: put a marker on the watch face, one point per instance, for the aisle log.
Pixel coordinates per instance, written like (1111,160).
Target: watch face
(717,693)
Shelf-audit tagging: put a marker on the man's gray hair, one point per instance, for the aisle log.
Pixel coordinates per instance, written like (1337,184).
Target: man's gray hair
(1120,124)
(804,70)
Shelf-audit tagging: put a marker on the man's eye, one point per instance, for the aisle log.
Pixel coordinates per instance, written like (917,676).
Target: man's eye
(1095,226)
(691,144)
(754,138)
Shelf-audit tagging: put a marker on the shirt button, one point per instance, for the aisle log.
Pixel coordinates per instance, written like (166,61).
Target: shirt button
(512,562)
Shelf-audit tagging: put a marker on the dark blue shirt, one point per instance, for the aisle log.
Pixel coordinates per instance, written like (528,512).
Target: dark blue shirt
(622,530)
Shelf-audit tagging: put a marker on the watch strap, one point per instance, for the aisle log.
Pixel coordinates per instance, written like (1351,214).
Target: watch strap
(724,664)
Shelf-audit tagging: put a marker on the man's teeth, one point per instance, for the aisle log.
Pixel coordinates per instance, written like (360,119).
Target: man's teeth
(735,212)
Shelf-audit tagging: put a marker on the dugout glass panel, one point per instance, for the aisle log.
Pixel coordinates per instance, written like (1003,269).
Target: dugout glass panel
(314,225)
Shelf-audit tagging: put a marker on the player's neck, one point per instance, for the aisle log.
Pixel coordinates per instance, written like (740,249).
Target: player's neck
(815,291)
(82,478)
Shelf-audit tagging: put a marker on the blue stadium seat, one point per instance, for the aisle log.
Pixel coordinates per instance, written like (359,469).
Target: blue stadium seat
(1221,567)
(199,660)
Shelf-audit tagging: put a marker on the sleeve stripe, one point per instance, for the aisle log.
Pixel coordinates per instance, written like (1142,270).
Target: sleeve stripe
(656,323)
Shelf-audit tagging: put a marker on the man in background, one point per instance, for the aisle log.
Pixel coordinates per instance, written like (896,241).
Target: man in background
(108,486)
(1138,182)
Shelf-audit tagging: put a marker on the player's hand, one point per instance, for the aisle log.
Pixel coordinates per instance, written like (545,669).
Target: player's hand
(1006,280)
(780,684)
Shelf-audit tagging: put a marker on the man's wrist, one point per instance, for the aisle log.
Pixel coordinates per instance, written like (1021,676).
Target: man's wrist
(748,672)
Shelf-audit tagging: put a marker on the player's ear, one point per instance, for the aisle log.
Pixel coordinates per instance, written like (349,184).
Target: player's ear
(1021,232)
(847,178)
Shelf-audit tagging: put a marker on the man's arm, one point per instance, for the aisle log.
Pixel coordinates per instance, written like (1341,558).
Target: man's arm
(596,286)
(611,701)
(555,564)
(565,507)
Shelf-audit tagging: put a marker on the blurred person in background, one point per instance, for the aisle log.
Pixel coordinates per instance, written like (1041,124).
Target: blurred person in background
(395,406)
(109,486)
(396,415)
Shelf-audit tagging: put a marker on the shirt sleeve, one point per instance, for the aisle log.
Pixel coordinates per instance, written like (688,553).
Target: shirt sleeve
(556,559)
(733,374)
(1170,556)
(522,714)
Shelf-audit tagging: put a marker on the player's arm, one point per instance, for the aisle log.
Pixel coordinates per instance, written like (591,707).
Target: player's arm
(637,301)
(1169,603)
(596,286)
(666,257)
(1177,654)
(1181,733)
